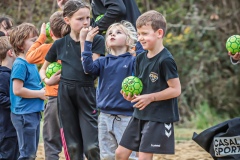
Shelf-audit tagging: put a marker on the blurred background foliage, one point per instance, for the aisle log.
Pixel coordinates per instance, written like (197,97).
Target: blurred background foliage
(196,36)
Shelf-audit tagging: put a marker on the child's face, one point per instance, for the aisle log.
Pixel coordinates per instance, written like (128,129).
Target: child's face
(79,20)
(29,42)
(147,36)
(116,37)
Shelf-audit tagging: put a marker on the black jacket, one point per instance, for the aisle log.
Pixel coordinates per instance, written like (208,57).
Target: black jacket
(113,11)
(6,126)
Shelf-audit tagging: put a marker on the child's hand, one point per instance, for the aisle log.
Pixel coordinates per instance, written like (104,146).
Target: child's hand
(83,34)
(43,29)
(142,101)
(61,3)
(42,94)
(127,97)
(235,56)
(54,79)
(92,33)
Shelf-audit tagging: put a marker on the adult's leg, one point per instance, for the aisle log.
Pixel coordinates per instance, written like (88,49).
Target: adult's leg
(51,130)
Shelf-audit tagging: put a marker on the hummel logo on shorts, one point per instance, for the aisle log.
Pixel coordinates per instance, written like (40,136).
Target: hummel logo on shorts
(155,145)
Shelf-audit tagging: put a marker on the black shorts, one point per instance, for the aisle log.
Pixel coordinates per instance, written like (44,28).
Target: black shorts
(149,137)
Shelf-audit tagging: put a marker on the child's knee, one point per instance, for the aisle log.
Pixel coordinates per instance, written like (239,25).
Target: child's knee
(72,148)
(92,150)
(118,154)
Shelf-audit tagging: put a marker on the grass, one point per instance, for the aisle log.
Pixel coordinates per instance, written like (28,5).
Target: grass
(185,133)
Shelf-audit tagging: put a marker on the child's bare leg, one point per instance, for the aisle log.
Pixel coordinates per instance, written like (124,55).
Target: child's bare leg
(122,153)
(145,156)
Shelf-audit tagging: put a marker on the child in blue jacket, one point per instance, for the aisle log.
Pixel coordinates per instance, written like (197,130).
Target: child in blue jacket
(115,111)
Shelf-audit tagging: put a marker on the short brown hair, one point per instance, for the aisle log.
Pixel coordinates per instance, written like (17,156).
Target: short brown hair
(19,34)
(157,20)
(58,26)
(4,47)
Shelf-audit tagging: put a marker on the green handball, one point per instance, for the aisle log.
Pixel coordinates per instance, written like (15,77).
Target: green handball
(53,68)
(233,44)
(48,31)
(132,85)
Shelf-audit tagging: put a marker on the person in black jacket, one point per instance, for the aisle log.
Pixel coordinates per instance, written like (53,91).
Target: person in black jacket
(8,135)
(107,12)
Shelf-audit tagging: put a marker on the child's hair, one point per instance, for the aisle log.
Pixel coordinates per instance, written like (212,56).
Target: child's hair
(129,30)
(157,20)
(19,34)
(8,20)
(73,6)
(4,47)
(58,26)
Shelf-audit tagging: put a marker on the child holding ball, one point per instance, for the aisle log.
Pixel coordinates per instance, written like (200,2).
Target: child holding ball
(115,111)
(151,129)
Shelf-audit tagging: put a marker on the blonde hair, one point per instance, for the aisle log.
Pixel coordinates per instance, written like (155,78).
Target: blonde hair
(157,20)
(58,26)
(129,30)
(19,34)
(4,47)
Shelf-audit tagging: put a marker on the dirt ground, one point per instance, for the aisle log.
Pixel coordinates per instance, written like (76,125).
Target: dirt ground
(185,150)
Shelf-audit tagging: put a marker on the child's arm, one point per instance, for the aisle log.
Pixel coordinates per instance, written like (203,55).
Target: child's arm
(83,35)
(36,53)
(54,79)
(174,90)
(87,56)
(21,91)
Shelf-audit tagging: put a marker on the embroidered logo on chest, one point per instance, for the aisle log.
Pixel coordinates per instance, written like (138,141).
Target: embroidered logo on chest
(153,76)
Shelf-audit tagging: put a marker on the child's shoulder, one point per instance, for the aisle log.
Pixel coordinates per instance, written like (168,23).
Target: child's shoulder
(141,55)
(61,41)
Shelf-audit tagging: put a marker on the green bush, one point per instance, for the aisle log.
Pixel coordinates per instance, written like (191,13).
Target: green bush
(206,117)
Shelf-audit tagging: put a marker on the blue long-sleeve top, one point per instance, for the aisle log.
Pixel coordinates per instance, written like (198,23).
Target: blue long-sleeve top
(111,71)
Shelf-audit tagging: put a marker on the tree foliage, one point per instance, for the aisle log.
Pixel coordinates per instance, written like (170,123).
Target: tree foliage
(196,36)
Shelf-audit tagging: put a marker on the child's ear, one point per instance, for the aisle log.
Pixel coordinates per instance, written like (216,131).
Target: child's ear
(66,19)
(51,33)
(20,48)
(160,33)
(10,53)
